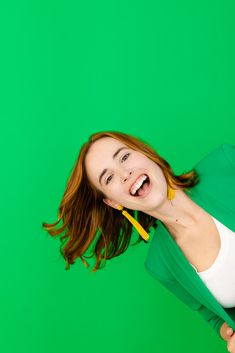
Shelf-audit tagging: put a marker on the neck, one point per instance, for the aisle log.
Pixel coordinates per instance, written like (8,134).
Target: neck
(179,215)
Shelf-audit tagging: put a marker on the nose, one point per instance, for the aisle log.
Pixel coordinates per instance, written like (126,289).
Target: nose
(126,175)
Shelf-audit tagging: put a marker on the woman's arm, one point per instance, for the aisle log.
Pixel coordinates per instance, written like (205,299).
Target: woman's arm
(210,317)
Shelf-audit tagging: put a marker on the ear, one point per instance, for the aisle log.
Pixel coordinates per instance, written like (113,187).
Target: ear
(110,203)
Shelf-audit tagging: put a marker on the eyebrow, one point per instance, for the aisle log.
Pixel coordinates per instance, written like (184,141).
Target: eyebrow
(114,156)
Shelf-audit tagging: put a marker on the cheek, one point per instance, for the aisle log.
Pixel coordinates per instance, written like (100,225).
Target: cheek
(116,193)
(116,190)
(112,191)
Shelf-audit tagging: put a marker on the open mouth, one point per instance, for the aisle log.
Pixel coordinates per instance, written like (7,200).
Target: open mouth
(141,187)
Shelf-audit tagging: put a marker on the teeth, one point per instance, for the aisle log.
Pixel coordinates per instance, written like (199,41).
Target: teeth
(138,184)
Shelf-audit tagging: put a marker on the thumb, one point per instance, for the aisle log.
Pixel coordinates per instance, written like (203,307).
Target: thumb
(229,331)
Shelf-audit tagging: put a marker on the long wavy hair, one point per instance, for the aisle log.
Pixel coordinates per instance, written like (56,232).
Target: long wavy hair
(87,219)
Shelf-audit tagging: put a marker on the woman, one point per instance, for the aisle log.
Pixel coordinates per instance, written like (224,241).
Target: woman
(115,171)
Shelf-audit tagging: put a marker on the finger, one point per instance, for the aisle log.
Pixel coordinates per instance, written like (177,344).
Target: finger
(229,331)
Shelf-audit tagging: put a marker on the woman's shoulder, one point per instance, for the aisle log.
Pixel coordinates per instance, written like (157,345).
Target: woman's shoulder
(221,156)
(229,151)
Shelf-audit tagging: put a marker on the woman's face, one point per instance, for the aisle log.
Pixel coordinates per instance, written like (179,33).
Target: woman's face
(113,168)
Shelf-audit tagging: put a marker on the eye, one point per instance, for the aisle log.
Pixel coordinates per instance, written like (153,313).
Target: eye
(108,179)
(123,158)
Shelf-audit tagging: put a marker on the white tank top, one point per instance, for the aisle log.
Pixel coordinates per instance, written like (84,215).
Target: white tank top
(220,277)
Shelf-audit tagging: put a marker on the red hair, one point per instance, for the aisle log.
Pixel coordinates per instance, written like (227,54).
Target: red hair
(85,218)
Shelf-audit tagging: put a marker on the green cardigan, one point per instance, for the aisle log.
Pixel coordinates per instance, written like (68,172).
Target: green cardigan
(166,262)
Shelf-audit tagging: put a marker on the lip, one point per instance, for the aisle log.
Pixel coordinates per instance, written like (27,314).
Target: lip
(136,180)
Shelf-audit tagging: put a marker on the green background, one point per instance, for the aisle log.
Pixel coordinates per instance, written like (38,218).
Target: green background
(161,71)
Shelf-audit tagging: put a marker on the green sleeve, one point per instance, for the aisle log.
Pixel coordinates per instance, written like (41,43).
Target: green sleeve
(214,320)
(211,318)
(175,287)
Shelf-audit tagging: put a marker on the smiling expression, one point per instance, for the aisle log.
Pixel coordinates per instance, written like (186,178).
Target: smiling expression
(113,168)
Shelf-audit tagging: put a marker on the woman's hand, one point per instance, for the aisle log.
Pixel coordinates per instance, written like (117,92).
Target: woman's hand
(231,340)
(226,331)
(228,335)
